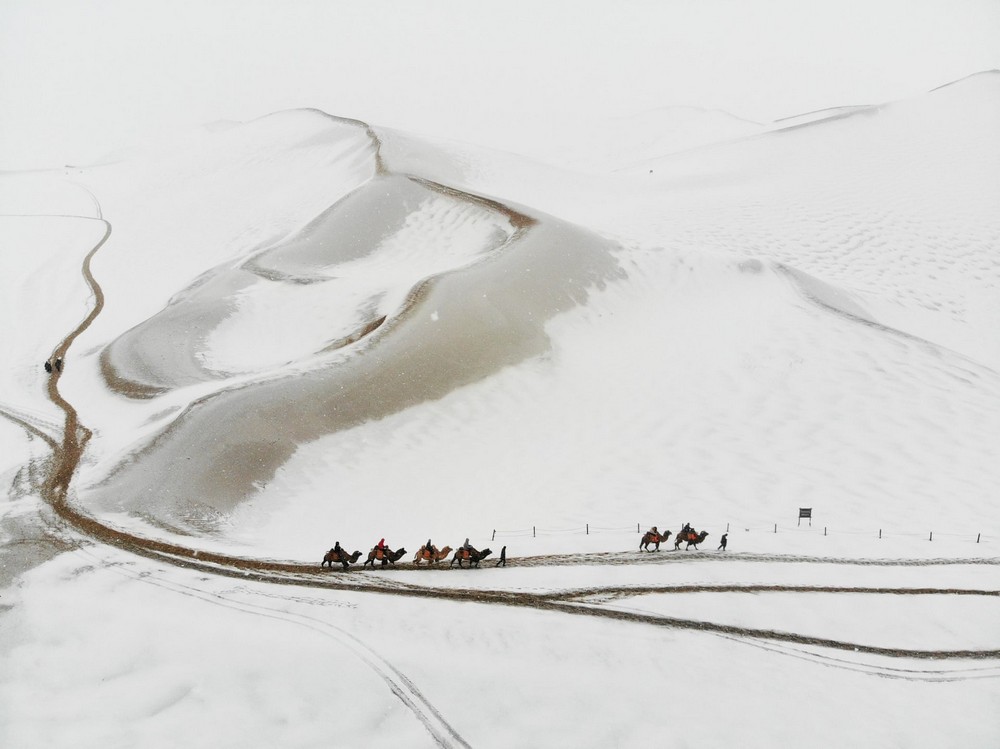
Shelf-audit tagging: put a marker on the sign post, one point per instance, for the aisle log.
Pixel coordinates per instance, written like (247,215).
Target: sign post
(806,512)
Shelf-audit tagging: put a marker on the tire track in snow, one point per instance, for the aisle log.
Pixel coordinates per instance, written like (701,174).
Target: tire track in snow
(559,602)
(639,590)
(33,424)
(399,684)
(888,672)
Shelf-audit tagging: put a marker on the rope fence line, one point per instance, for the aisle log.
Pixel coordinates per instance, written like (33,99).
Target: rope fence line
(731,527)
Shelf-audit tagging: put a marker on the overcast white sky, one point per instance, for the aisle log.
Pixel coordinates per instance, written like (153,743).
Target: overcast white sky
(80,79)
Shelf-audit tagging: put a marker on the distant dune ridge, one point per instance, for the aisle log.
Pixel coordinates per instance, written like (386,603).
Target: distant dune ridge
(305,311)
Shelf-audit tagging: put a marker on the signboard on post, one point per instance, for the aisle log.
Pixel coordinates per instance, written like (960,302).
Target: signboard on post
(806,512)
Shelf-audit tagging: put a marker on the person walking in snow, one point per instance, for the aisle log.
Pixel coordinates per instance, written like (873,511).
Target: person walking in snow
(502,561)
(722,545)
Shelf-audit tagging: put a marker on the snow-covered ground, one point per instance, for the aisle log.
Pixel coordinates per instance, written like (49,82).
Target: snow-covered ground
(312,329)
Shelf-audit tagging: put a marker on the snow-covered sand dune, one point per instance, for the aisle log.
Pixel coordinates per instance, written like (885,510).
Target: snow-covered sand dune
(316,329)
(796,309)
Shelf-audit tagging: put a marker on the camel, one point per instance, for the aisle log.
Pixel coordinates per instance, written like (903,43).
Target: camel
(384,555)
(472,556)
(431,557)
(692,538)
(334,556)
(653,538)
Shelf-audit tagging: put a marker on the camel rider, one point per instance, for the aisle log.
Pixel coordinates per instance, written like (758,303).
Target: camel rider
(380,548)
(430,549)
(653,532)
(336,549)
(467,546)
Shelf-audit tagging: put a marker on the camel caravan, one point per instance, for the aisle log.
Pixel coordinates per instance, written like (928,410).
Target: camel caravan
(687,535)
(428,553)
(467,556)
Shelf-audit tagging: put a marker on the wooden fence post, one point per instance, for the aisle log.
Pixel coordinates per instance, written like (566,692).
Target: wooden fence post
(494,535)
(932,536)
(977,537)
(588,529)
(533,531)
